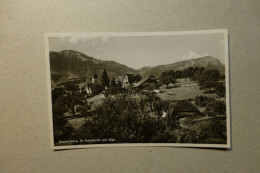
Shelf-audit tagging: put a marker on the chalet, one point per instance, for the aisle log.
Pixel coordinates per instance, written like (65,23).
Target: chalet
(183,108)
(95,78)
(119,79)
(128,79)
(148,83)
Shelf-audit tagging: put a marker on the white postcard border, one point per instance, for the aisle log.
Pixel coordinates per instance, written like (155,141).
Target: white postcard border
(97,34)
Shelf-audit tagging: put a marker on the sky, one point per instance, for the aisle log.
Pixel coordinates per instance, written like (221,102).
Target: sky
(148,50)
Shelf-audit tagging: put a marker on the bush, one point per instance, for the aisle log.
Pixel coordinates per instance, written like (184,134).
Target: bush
(96,89)
(212,131)
(216,108)
(164,137)
(209,78)
(57,77)
(173,120)
(220,90)
(122,118)
(185,136)
(179,135)
(166,105)
(149,86)
(61,128)
(202,101)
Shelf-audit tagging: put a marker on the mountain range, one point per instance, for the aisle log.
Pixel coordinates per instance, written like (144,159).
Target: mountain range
(72,64)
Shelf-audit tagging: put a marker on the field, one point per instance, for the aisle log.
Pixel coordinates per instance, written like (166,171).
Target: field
(183,93)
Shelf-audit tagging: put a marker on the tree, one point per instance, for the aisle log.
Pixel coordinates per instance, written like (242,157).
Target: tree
(76,102)
(166,80)
(168,77)
(220,90)
(152,98)
(105,79)
(62,129)
(158,107)
(178,74)
(212,131)
(119,88)
(56,93)
(172,119)
(209,79)
(216,108)
(96,88)
(113,86)
(185,74)
(70,102)
(123,119)
(197,73)
(149,86)
(137,78)
(189,71)
(202,101)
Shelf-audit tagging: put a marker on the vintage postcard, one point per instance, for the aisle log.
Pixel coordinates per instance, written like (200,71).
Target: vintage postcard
(139,89)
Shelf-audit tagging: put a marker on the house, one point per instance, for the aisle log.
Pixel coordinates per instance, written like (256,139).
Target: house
(95,78)
(148,83)
(180,109)
(85,88)
(119,79)
(128,79)
(183,108)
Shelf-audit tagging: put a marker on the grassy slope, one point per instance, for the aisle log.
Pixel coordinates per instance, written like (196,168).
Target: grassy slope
(181,93)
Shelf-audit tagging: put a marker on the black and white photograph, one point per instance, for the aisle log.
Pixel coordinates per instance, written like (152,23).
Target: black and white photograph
(139,89)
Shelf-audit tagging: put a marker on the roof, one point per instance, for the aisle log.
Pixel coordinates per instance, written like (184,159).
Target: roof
(129,75)
(144,80)
(141,82)
(184,106)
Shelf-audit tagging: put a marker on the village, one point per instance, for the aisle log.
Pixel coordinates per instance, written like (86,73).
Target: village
(174,103)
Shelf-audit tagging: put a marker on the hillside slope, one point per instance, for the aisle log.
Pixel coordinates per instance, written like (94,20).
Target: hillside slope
(208,62)
(69,64)
(73,63)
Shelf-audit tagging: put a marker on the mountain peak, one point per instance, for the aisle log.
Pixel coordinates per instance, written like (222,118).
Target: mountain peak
(72,62)
(209,62)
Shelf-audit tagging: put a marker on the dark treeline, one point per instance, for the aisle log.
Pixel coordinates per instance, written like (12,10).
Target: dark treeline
(207,78)
(191,72)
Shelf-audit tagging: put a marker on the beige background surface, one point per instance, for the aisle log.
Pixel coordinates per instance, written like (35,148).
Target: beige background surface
(24,134)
